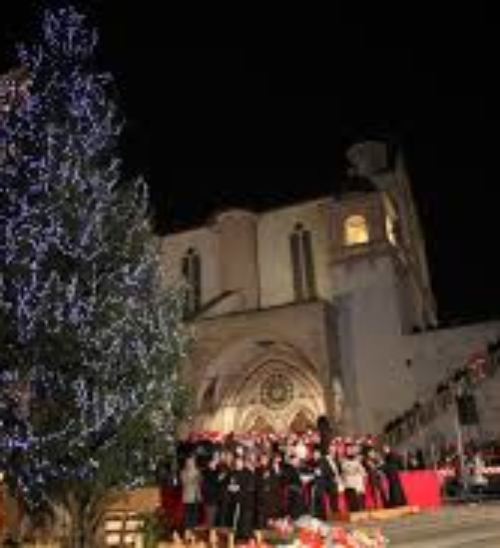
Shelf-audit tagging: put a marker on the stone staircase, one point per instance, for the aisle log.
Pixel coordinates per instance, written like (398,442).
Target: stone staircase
(481,379)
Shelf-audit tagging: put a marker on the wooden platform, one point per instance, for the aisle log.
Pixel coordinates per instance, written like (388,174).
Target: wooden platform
(377,515)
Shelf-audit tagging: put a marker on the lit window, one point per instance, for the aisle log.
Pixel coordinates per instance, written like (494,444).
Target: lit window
(191,270)
(356,230)
(304,278)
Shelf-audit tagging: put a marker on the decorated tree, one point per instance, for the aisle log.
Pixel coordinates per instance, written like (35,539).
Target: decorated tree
(90,339)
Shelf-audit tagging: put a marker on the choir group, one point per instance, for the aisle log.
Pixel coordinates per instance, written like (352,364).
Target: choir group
(246,486)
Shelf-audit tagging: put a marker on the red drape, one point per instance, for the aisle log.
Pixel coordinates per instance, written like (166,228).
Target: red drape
(422,488)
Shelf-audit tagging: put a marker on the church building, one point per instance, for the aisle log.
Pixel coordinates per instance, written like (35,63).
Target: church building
(310,309)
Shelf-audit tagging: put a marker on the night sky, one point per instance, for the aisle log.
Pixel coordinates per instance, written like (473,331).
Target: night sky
(256,127)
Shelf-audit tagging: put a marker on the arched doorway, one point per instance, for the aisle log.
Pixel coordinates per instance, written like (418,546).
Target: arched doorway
(260,425)
(275,394)
(258,388)
(302,422)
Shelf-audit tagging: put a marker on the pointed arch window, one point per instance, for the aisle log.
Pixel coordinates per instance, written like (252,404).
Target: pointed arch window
(191,271)
(356,230)
(304,277)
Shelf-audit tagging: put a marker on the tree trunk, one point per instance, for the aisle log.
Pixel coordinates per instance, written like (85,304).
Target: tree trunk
(84,517)
(81,531)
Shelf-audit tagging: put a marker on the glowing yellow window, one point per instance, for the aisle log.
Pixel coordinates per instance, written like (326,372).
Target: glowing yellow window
(356,230)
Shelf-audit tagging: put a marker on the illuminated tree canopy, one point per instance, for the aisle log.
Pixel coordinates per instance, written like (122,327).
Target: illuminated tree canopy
(90,340)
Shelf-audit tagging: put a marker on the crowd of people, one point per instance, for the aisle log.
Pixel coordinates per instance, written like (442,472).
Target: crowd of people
(245,484)
(447,455)
(474,472)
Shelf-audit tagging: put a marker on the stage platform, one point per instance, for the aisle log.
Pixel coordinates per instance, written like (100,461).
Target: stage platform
(382,514)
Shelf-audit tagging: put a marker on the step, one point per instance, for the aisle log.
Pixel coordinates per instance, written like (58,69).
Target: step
(377,515)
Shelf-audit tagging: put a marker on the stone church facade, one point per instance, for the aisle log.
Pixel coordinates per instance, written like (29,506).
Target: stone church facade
(302,310)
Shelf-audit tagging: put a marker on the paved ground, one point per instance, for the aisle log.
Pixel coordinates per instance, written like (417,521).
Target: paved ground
(464,526)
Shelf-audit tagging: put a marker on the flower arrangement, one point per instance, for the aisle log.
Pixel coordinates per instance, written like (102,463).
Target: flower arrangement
(309,532)
(281,532)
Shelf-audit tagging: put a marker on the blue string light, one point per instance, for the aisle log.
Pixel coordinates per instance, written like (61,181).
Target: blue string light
(91,339)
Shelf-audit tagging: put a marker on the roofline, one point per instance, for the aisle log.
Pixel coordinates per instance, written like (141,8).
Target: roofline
(212,218)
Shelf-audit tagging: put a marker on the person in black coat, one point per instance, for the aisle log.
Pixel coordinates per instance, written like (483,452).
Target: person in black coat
(319,486)
(241,499)
(392,467)
(374,466)
(222,518)
(295,499)
(210,490)
(330,466)
(268,492)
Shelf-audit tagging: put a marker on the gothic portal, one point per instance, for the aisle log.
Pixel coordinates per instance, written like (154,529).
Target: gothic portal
(259,386)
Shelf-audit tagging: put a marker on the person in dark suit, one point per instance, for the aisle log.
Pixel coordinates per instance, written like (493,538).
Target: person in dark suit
(210,490)
(295,499)
(268,492)
(241,499)
(374,466)
(330,466)
(319,486)
(222,518)
(392,466)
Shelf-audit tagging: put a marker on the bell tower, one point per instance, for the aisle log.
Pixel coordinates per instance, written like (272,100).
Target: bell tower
(381,284)
(384,166)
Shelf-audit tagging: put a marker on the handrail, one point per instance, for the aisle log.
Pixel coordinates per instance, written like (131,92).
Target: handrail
(465,379)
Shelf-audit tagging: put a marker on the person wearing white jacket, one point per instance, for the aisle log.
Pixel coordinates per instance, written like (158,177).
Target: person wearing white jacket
(353,479)
(191,492)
